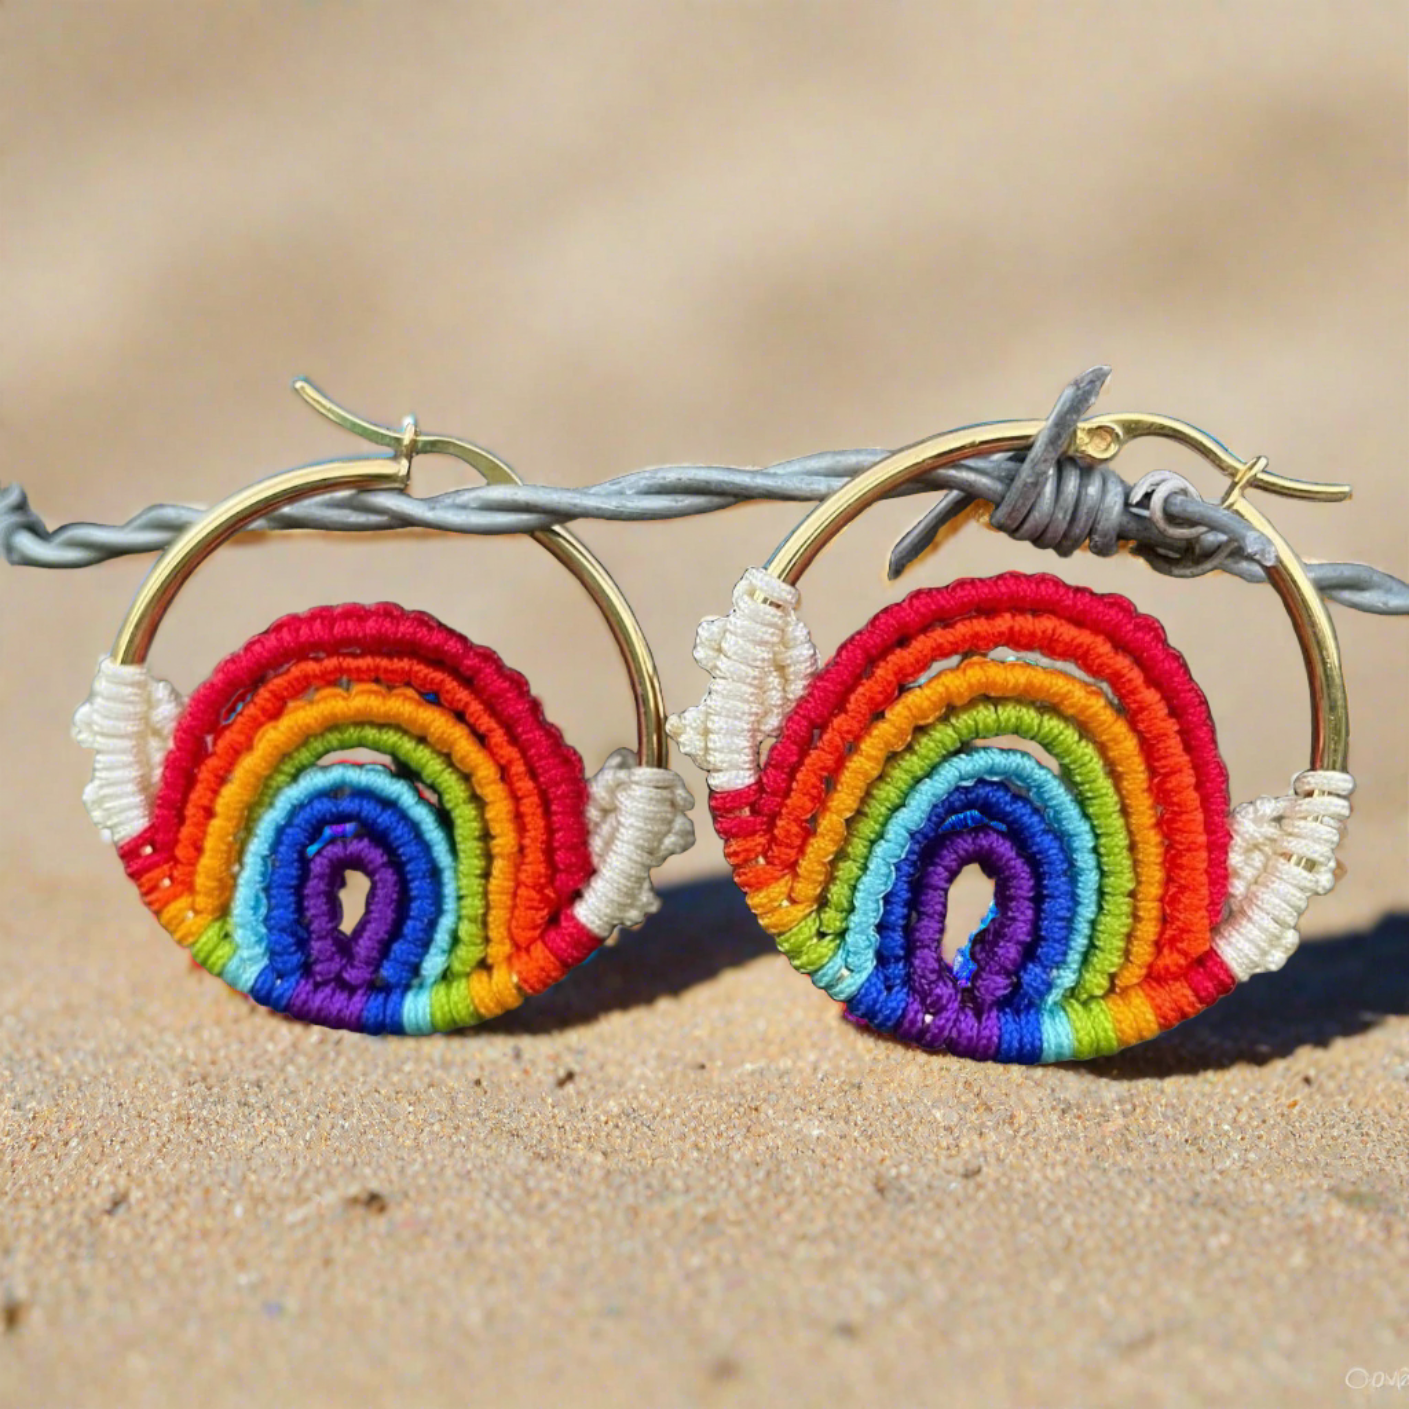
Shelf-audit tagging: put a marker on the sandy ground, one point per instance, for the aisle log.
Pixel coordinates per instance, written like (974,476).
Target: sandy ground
(594,238)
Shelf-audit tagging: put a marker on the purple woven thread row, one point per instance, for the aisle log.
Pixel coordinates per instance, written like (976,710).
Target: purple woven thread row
(997,951)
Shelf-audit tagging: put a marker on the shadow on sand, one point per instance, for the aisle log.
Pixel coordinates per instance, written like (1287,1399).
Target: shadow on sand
(1330,988)
(702,929)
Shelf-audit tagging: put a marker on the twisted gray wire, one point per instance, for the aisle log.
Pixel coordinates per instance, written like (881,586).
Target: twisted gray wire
(1053,502)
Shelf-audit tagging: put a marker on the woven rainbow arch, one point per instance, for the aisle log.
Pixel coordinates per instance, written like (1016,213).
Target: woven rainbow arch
(893,769)
(375,740)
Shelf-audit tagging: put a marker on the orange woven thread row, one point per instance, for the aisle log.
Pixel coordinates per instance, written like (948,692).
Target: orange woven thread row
(834,776)
(535,896)
(1107,618)
(1172,784)
(387,631)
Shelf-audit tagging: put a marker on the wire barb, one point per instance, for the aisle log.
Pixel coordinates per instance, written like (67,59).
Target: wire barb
(1056,505)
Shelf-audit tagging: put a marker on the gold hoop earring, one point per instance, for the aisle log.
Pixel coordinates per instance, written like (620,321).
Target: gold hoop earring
(1125,897)
(494,865)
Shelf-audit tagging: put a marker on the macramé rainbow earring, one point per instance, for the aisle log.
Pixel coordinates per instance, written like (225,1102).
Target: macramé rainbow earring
(1126,897)
(374,740)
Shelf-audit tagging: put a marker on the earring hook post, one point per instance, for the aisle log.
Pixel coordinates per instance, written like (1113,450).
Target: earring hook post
(385,436)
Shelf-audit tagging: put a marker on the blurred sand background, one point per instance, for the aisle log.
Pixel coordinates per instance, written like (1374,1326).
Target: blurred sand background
(597,237)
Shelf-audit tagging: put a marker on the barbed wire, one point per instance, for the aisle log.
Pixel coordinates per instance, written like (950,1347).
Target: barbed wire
(1053,501)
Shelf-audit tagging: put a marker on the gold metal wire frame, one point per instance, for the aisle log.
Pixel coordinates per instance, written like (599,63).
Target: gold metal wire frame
(1102,438)
(176,565)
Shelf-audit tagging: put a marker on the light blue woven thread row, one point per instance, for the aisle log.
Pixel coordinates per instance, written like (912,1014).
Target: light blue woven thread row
(847,970)
(247,913)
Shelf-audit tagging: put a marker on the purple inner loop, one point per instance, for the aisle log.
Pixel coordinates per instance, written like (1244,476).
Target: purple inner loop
(353,958)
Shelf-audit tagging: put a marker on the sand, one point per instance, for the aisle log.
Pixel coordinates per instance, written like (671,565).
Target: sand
(596,238)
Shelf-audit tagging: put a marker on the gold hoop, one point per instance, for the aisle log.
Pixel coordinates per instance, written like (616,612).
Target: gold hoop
(175,567)
(1101,439)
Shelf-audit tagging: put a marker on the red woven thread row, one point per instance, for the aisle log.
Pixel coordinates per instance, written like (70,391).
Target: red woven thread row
(300,653)
(535,898)
(1185,931)
(382,630)
(566,943)
(1111,617)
